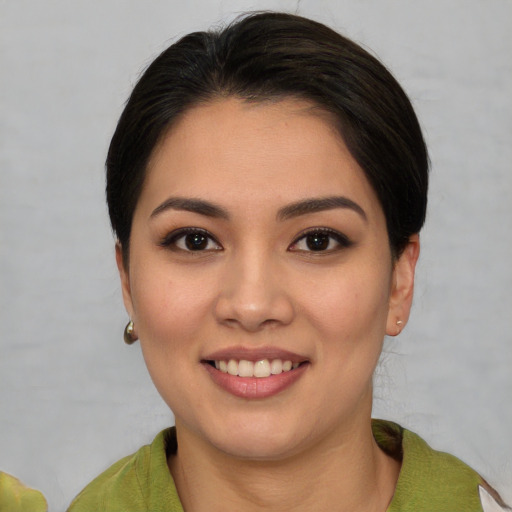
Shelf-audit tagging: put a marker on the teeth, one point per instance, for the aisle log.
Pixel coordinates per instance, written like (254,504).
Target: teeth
(245,368)
(232,367)
(262,368)
(276,367)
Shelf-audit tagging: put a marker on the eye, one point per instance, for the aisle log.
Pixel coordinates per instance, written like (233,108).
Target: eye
(191,239)
(320,240)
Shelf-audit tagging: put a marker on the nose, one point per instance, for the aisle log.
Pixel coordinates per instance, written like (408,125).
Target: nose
(253,295)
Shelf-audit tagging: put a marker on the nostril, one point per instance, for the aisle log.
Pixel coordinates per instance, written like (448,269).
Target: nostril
(252,307)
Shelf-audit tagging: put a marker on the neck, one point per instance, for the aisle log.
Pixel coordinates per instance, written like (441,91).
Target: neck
(335,475)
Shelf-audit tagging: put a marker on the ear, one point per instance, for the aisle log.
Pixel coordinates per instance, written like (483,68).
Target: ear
(402,287)
(125,280)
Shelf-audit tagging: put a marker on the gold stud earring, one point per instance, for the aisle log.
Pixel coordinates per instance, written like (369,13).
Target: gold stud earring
(129,334)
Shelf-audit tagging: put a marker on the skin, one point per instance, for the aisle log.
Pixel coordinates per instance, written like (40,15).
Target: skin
(258,284)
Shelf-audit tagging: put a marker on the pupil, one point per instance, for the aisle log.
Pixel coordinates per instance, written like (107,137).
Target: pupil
(196,241)
(317,241)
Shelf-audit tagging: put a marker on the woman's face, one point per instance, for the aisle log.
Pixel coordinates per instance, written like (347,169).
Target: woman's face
(258,244)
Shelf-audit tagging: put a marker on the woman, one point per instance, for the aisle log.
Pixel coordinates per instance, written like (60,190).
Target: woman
(267,184)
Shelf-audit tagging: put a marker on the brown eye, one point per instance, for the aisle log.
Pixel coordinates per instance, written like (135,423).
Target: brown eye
(196,241)
(191,240)
(320,240)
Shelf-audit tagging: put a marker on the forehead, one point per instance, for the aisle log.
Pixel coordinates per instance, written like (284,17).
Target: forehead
(263,152)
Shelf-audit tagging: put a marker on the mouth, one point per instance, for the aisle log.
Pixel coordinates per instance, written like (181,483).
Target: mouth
(259,369)
(255,374)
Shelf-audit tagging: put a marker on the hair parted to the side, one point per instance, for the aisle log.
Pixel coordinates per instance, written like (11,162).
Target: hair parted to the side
(272,56)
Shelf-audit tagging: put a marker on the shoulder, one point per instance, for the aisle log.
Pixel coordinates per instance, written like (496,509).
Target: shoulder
(439,477)
(16,497)
(429,479)
(140,481)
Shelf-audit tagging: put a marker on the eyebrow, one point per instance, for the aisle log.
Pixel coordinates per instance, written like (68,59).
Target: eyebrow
(303,207)
(191,205)
(315,205)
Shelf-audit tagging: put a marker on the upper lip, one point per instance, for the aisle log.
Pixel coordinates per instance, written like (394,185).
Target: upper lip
(254,354)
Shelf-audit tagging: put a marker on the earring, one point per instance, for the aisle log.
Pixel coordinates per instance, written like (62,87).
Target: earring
(399,325)
(129,334)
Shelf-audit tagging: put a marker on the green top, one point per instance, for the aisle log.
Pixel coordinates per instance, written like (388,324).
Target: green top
(16,497)
(429,480)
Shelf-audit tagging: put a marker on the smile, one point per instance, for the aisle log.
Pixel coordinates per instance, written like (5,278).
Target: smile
(259,369)
(255,374)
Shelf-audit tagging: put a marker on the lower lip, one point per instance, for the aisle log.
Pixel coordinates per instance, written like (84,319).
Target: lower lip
(255,387)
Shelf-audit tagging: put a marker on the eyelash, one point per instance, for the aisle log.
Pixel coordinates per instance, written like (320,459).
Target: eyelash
(342,240)
(171,240)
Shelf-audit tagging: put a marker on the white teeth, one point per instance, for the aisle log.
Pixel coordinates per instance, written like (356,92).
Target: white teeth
(246,368)
(260,369)
(232,367)
(276,367)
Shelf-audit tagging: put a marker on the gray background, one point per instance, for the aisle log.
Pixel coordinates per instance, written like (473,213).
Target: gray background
(73,398)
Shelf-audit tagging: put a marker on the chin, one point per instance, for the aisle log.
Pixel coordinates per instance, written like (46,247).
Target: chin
(258,442)
(259,450)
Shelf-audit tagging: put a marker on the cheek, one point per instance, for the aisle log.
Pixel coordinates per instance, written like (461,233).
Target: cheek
(351,320)
(170,307)
(347,304)
(173,321)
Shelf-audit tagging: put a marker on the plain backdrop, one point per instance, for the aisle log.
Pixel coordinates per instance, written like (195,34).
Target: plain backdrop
(73,397)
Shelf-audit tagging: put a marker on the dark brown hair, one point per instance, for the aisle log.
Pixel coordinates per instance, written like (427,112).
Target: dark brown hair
(272,56)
